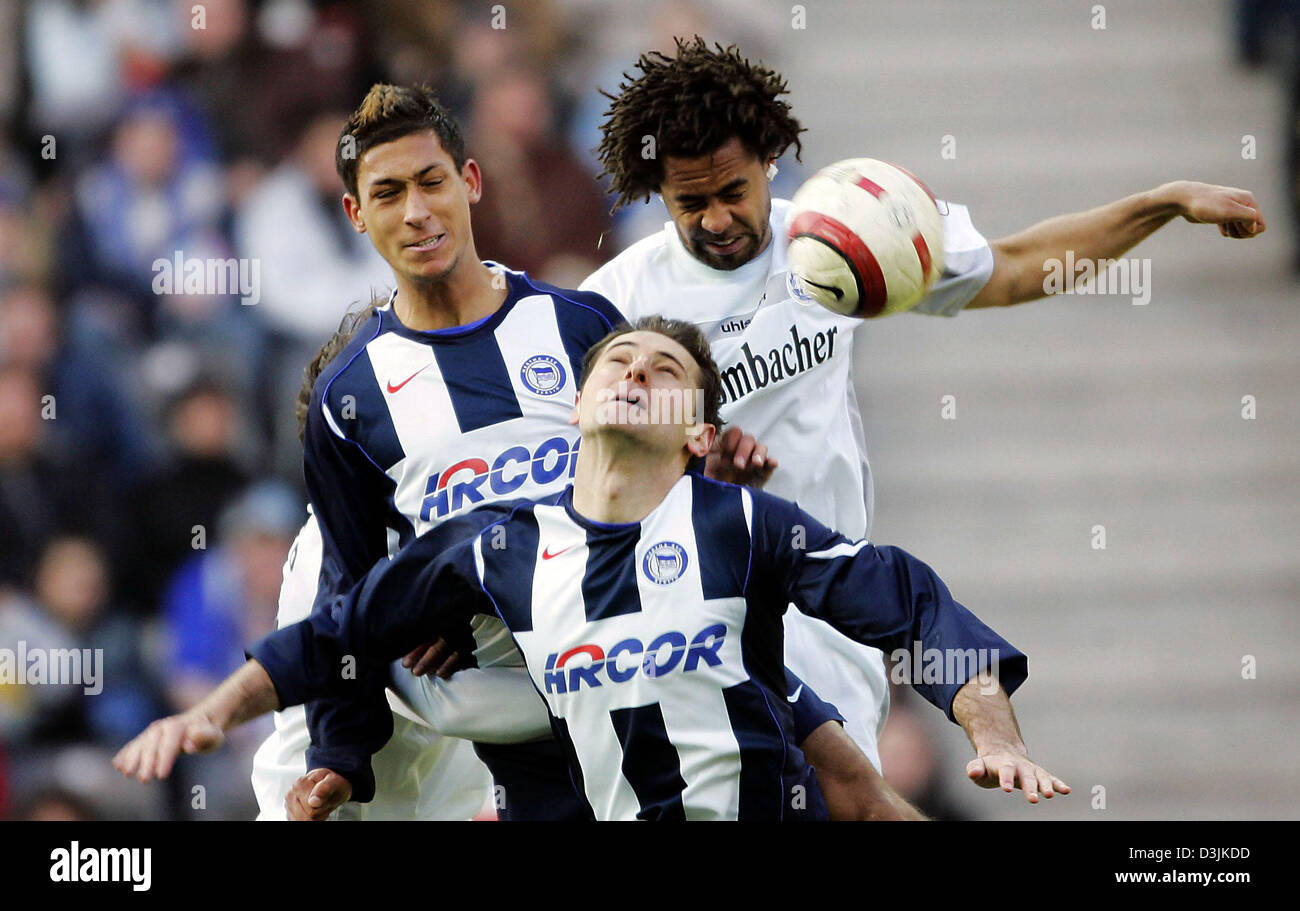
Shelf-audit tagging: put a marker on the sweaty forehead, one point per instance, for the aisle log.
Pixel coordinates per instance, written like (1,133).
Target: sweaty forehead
(705,173)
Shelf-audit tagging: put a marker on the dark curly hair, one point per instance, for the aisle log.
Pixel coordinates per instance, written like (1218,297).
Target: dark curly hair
(691,104)
(387,113)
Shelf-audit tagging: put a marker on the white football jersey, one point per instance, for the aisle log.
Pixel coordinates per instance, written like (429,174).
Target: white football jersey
(786,373)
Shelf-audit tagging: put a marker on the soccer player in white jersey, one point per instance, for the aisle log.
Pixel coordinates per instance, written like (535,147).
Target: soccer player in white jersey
(647,604)
(718,125)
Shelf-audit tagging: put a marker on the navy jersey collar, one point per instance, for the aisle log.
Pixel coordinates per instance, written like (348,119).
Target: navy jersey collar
(517,287)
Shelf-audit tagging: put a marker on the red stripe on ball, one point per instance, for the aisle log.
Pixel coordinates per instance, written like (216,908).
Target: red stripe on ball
(870,186)
(923,254)
(872,292)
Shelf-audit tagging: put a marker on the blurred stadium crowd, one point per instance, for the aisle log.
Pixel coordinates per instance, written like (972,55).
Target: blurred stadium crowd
(150,470)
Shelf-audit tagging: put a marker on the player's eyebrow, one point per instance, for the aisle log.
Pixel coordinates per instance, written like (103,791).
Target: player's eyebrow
(727,188)
(667,354)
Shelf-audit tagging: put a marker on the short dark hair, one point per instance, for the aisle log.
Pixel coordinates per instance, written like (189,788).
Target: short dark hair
(691,104)
(387,113)
(689,336)
(353,321)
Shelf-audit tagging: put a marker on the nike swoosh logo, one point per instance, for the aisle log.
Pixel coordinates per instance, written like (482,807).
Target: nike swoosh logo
(392,388)
(794,697)
(547,555)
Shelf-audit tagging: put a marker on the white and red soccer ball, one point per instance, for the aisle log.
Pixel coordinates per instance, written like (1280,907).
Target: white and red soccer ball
(866,238)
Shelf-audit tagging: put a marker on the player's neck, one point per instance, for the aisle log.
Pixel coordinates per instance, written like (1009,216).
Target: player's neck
(471,292)
(617,481)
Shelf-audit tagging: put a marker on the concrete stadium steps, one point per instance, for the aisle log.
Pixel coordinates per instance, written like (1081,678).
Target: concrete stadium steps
(1089,410)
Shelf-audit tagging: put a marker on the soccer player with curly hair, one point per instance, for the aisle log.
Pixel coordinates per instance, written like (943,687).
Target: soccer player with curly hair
(703,127)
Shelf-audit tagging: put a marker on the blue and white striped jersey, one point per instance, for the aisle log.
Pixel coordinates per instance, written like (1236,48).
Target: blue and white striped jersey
(408,428)
(657,645)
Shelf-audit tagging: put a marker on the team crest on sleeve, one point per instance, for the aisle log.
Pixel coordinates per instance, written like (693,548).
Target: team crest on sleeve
(543,374)
(664,562)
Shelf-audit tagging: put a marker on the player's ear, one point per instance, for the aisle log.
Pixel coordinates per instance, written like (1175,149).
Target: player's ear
(353,210)
(473,178)
(699,438)
(573,415)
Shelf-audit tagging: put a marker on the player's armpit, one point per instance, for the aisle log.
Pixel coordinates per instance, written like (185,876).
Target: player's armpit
(850,784)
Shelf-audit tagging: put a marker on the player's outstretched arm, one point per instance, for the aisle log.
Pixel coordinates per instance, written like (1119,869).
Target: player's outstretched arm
(984,711)
(244,695)
(1022,261)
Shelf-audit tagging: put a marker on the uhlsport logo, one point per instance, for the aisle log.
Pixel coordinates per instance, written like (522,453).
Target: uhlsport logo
(542,374)
(620,664)
(664,562)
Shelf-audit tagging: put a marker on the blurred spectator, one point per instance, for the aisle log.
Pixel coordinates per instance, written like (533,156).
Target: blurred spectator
(541,211)
(94,417)
(42,492)
(72,587)
(74,101)
(23,707)
(25,230)
(313,262)
(221,600)
(70,609)
(260,73)
(158,192)
(314,266)
(454,45)
(226,597)
(177,507)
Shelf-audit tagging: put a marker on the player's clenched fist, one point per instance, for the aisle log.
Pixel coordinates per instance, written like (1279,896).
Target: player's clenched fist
(316,795)
(1235,211)
(738,458)
(153,752)
(1009,771)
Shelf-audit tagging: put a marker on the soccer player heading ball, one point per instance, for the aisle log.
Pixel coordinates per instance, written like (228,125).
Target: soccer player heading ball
(703,127)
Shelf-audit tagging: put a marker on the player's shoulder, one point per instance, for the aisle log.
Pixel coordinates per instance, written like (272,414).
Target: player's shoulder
(648,253)
(577,301)
(342,371)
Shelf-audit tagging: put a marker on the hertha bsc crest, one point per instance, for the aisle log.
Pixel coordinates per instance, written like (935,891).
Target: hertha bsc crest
(664,562)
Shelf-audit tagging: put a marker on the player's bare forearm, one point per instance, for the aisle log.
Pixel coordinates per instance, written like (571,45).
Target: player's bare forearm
(850,784)
(985,714)
(1022,260)
(244,695)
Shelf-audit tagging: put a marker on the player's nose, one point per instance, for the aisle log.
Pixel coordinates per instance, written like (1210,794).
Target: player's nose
(717,218)
(639,370)
(416,210)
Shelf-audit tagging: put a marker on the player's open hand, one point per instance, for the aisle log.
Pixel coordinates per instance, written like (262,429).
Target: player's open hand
(437,657)
(316,795)
(1010,770)
(153,752)
(1235,211)
(738,458)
